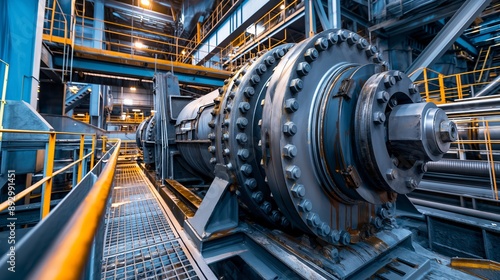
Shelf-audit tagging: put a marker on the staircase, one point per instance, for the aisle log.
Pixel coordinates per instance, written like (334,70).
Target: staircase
(75,93)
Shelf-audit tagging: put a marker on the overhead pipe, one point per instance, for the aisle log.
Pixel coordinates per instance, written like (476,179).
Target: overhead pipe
(457,209)
(491,88)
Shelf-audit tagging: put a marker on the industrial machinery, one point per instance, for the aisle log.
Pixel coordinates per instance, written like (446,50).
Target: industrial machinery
(314,140)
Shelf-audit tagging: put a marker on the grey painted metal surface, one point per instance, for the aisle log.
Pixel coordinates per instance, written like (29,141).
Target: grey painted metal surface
(20,115)
(447,36)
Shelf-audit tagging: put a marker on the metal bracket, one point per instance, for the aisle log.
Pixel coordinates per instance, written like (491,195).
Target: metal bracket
(346,88)
(219,209)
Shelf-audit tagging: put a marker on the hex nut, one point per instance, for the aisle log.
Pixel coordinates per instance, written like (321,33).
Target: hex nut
(448,131)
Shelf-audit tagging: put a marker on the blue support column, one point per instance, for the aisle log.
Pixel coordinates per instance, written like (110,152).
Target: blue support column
(334,9)
(310,18)
(97,36)
(21,25)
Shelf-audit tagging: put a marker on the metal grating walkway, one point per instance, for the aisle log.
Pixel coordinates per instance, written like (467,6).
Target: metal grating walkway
(139,241)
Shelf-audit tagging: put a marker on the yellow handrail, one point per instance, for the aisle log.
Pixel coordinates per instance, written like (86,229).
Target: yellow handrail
(49,167)
(457,90)
(78,234)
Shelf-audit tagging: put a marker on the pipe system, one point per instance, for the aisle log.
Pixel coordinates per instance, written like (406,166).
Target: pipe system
(491,88)
(463,167)
(457,209)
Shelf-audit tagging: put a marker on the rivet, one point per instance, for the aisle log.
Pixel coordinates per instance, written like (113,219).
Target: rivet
(289,128)
(244,107)
(377,58)
(246,169)
(275,216)
(250,183)
(258,196)
(211,136)
(411,183)
(323,229)
(242,122)
(333,38)
(321,44)
(383,96)
(237,82)
(269,60)
(334,236)
(243,154)
(213,160)
(370,50)
(342,35)
(413,89)
(398,75)
(293,172)
(289,151)
(249,92)
(255,79)
(285,222)
(211,149)
(279,53)
(362,44)
(305,205)
(225,136)
(313,219)
(353,38)
(291,105)
(345,237)
(242,138)
(217,100)
(389,81)
(266,207)
(303,68)
(298,190)
(378,117)
(311,54)
(226,152)
(391,174)
(261,69)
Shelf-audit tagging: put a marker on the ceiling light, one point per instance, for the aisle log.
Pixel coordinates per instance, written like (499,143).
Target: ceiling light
(139,45)
(145,3)
(136,110)
(132,88)
(183,52)
(127,101)
(282,6)
(80,115)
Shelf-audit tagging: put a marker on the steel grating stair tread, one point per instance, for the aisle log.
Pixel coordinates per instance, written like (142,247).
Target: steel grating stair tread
(139,242)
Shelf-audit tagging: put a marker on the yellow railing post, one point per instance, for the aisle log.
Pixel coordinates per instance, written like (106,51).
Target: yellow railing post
(459,86)
(92,158)
(80,164)
(52,21)
(103,145)
(441,89)
(426,85)
(49,168)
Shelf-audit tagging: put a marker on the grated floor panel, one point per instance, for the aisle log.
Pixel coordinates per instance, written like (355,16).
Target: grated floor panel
(139,241)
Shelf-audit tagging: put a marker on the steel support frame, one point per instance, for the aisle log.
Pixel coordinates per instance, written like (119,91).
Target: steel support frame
(447,36)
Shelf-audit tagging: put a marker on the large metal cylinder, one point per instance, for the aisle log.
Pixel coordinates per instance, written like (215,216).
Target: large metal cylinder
(319,136)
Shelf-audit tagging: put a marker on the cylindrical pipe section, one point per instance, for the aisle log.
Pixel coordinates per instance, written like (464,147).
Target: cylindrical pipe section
(490,88)
(457,209)
(463,167)
(192,134)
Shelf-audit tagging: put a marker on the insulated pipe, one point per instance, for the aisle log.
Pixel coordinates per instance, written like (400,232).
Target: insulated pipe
(457,209)
(463,167)
(473,104)
(490,88)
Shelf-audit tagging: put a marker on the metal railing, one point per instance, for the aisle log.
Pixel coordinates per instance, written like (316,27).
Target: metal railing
(49,172)
(80,231)
(57,29)
(459,87)
(4,93)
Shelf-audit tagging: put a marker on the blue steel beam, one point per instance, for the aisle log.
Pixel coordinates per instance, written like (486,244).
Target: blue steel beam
(116,69)
(243,16)
(470,48)
(447,36)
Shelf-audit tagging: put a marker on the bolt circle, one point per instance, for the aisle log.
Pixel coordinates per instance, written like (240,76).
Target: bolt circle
(298,190)
(291,105)
(293,172)
(289,128)
(296,85)
(289,151)
(303,68)
(321,44)
(305,205)
(311,55)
